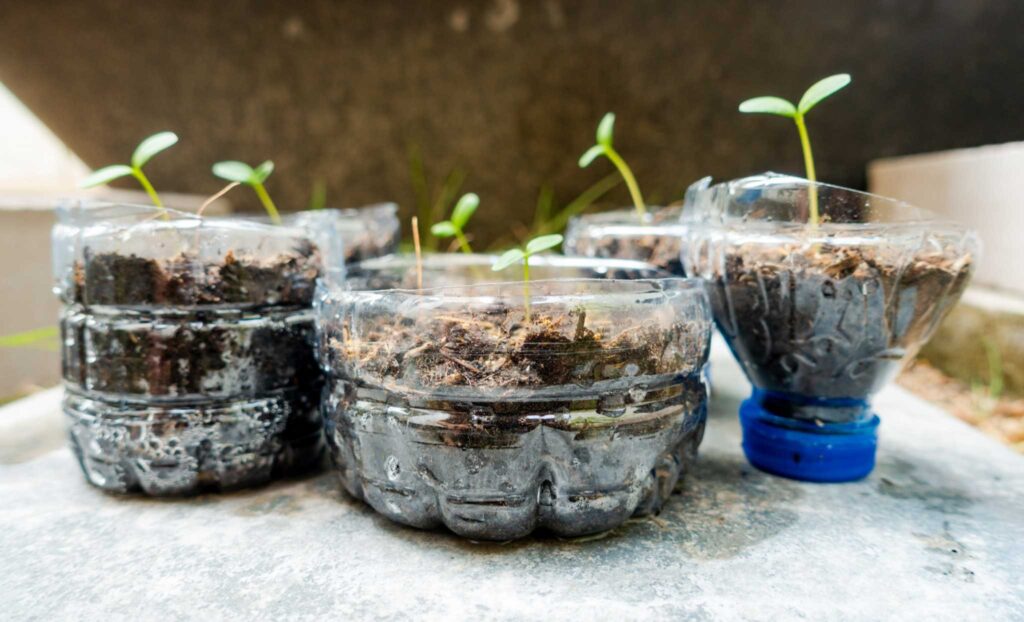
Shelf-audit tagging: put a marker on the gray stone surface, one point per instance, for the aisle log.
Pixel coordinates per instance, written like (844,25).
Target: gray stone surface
(933,533)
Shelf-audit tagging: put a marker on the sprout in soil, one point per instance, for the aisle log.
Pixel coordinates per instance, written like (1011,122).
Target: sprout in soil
(515,255)
(604,147)
(148,148)
(244,174)
(454,226)
(776,105)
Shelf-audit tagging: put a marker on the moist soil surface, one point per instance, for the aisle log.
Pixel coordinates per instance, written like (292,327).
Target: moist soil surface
(115,279)
(831,321)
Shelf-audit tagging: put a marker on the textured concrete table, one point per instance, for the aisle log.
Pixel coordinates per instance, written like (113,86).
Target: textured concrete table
(934,533)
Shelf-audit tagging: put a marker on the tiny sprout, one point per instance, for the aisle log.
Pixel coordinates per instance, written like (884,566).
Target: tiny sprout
(244,174)
(148,148)
(515,255)
(604,147)
(778,106)
(454,226)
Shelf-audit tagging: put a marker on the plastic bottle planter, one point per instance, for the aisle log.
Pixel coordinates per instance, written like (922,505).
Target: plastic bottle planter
(656,238)
(448,407)
(188,348)
(365,232)
(621,234)
(821,316)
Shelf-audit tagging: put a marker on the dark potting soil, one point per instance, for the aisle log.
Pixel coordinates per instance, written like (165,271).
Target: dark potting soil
(115,279)
(831,321)
(202,353)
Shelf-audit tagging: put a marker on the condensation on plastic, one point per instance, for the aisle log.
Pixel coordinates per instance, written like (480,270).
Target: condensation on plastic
(833,335)
(498,456)
(208,386)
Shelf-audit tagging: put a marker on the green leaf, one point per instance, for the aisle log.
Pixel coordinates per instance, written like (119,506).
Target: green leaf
(234,171)
(510,257)
(263,171)
(604,129)
(464,209)
(543,243)
(822,89)
(443,229)
(590,155)
(152,146)
(769,105)
(106,175)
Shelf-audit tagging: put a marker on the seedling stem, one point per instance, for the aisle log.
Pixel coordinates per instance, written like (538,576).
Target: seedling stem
(240,172)
(603,146)
(783,108)
(805,144)
(511,256)
(148,148)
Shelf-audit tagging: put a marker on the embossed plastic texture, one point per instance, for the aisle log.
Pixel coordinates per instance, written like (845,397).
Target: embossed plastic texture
(188,347)
(821,316)
(447,406)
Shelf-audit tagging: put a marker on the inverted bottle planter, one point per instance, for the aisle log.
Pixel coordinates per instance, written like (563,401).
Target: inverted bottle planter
(447,406)
(821,316)
(188,346)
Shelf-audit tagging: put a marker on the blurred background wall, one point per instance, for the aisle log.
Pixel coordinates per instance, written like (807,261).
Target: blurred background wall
(505,94)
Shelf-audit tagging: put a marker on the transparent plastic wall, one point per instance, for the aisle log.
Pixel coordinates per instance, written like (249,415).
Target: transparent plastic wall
(497,408)
(188,346)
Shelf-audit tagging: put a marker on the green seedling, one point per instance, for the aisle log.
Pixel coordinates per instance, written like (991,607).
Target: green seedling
(516,255)
(454,226)
(784,108)
(604,147)
(148,148)
(242,173)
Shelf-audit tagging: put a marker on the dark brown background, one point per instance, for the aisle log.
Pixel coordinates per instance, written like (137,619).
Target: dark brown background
(509,91)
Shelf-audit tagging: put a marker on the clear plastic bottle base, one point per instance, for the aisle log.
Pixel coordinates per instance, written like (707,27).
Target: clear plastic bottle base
(548,471)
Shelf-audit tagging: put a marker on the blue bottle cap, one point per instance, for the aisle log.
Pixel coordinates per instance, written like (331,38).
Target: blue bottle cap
(810,451)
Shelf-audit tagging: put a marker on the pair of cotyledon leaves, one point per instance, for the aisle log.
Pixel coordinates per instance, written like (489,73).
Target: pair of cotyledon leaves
(151,146)
(460,216)
(142,154)
(817,92)
(604,140)
(534,246)
(233,170)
